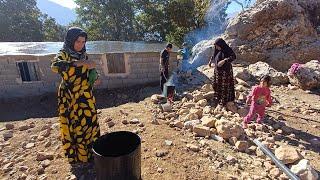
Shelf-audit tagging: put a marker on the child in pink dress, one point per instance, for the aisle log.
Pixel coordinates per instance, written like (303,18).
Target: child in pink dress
(259,98)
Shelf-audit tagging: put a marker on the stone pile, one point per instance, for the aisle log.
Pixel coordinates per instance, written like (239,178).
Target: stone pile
(197,112)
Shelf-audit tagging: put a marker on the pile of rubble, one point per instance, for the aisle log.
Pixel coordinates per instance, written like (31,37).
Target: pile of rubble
(197,112)
(303,76)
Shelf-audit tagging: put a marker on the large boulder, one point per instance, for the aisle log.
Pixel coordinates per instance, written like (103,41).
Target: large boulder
(260,69)
(189,117)
(208,121)
(202,102)
(183,111)
(306,76)
(209,95)
(201,54)
(197,111)
(304,170)
(206,71)
(178,124)
(279,32)
(156,98)
(242,73)
(191,124)
(287,154)
(197,97)
(227,129)
(242,146)
(201,130)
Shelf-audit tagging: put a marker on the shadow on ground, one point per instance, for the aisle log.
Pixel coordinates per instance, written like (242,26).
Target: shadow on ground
(301,137)
(84,171)
(45,106)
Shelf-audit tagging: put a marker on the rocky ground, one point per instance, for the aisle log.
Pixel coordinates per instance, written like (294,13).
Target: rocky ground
(177,144)
(194,138)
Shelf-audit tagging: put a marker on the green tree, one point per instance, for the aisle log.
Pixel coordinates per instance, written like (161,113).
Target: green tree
(170,20)
(181,14)
(186,16)
(127,20)
(107,19)
(153,18)
(51,30)
(201,8)
(19,21)
(177,36)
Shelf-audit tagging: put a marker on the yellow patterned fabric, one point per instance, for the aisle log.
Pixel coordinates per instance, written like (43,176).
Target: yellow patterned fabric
(77,109)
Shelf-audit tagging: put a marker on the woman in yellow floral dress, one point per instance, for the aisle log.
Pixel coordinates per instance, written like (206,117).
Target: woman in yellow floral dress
(76,104)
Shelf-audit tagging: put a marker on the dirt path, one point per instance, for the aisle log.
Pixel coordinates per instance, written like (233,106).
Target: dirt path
(179,163)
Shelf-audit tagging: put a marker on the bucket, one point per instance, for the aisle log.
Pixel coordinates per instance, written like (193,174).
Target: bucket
(117,156)
(169,90)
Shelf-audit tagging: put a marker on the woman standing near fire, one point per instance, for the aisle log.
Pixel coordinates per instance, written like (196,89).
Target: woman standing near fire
(77,106)
(223,82)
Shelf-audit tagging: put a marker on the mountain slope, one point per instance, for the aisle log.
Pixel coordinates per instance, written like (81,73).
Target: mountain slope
(63,15)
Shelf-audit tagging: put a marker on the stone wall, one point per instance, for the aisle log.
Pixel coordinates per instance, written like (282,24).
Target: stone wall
(140,68)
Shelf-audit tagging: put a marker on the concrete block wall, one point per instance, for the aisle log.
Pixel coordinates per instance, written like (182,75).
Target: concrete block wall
(11,84)
(145,66)
(141,68)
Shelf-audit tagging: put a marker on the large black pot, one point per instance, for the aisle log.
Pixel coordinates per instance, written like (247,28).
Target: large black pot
(117,156)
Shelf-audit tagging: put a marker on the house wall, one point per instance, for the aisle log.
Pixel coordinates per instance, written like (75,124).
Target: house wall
(140,68)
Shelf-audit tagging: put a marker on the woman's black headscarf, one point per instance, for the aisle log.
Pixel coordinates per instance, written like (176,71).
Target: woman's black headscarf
(71,37)
(224,47)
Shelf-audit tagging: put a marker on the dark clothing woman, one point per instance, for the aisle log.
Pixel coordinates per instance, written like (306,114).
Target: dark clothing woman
(164,63)
(76,104)
(223,82)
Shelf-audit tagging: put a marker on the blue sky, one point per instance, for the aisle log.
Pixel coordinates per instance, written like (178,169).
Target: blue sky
(234,7)
(66,3)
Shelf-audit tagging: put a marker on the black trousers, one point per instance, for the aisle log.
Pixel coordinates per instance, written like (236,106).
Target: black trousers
(164,76)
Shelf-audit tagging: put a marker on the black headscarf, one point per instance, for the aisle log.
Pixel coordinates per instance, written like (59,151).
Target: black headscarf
(227,51)
(71,37)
